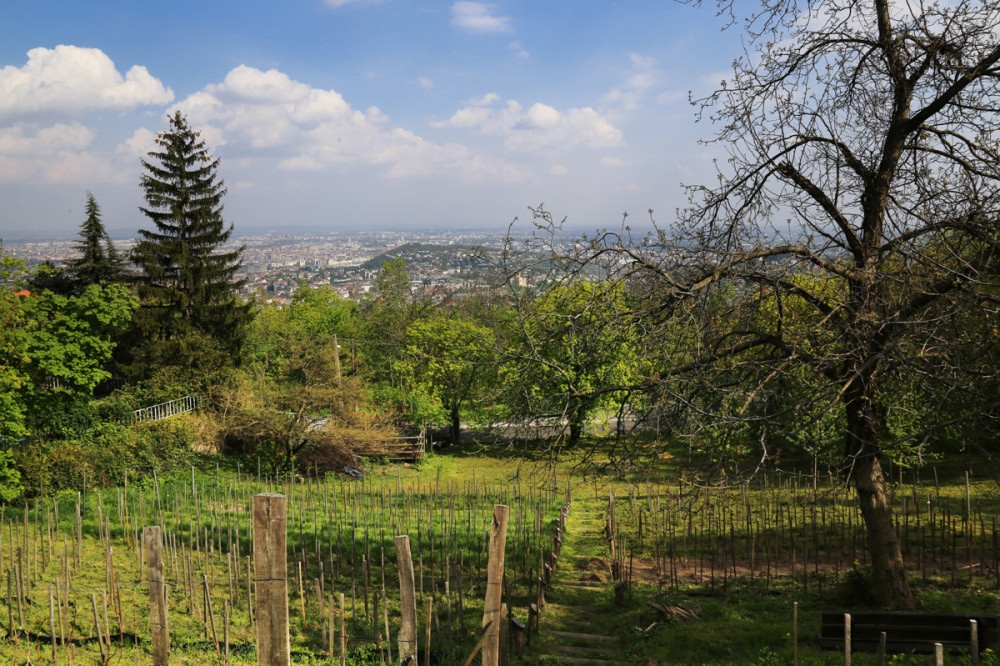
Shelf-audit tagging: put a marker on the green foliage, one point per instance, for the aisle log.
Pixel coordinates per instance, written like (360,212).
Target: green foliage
(53,352)
(98,260)
(574,345)
(314,317)
(105,455)
(451,360)
(186,283)
(10,478)
(71,338)
(387,314)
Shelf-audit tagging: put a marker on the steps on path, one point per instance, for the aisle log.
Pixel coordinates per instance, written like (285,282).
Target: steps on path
(573,627)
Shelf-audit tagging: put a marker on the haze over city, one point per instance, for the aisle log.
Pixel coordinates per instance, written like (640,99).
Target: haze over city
(360,114)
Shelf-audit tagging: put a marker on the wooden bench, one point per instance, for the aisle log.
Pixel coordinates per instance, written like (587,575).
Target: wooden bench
(908,631)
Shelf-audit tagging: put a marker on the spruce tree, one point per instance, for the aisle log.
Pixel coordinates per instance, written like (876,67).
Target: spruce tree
(187,285)
(99,261)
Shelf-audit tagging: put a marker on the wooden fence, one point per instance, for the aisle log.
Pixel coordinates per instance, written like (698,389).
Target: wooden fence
(398,448)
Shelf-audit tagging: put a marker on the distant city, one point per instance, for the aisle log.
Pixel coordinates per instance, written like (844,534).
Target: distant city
(276,263)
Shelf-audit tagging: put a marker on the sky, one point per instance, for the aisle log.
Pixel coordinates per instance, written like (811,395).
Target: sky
(360,114)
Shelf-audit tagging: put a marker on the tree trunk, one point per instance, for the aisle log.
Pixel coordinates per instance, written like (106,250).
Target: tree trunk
(890,585)
(456,426)
(575,430)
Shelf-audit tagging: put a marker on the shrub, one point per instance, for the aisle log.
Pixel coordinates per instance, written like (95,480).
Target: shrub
(10,478)
(104,456)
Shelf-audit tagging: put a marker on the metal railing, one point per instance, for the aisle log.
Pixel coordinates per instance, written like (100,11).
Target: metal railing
(165,410)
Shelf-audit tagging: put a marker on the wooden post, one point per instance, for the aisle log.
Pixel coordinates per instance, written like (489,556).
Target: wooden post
(343,632)
(974,642)
(427,634)
(407,639)
(270,567)
(519,634)
(336,357)
(494,585)
(795,633)
(847,639)
(938,654)
(153,544)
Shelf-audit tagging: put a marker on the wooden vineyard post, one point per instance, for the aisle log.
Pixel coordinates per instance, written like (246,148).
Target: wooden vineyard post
(847,639)
(494,585)
(407,639)
(270,567)
(153,544)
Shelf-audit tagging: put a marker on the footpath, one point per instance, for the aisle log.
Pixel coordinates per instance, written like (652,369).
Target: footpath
(573,618)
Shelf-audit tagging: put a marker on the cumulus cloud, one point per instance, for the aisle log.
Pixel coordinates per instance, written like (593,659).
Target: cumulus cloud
(539,127)
(71,79)
(139,144)
(259,114)
(477,17)
(55,154)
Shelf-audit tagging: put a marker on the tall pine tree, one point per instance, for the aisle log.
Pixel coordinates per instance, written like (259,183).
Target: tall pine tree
(99,261)
(187,286)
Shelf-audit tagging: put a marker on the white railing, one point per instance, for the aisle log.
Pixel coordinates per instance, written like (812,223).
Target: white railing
(165,410)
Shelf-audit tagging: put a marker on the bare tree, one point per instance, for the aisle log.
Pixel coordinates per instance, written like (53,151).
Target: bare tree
(855,219)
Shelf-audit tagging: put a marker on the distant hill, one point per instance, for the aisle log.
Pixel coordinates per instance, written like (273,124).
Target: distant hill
(418,253)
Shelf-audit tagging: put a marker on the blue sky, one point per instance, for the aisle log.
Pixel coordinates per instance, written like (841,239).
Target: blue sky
(346,114)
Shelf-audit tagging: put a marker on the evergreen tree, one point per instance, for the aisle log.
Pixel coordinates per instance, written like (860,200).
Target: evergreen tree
(99,261)
(187,286)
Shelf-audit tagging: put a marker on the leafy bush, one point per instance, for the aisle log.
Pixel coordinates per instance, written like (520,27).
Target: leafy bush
(59,414)
(104,456)
(10,478)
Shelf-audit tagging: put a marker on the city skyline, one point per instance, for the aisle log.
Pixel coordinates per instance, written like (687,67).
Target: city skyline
(351,114)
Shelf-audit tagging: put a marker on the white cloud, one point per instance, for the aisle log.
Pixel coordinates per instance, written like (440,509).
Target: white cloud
(477,17)
(484,100)
(536,128)
(612,161)
(260,115)
(519,52)
(55,154)
(22,139)
(69,79)
(642,76)
(425,82)
(341,3)
(141,142)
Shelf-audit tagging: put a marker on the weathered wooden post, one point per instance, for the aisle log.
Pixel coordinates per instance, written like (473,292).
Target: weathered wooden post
(407,639)
(494,585)
(270,571)
(152,541)
(847,639)
(974,642)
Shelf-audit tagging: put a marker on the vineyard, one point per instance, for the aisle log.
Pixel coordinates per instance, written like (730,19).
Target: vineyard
(78,585)
(78,578)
